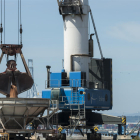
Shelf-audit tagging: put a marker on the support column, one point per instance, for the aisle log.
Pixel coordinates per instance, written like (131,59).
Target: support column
(47,118)
(124,129)
(119,129)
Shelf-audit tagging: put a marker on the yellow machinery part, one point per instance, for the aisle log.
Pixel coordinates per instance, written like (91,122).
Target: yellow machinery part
(4,136)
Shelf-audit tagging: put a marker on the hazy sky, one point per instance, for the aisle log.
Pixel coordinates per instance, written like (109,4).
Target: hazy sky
(118,27)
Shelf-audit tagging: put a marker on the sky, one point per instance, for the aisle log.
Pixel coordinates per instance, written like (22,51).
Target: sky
(118,27)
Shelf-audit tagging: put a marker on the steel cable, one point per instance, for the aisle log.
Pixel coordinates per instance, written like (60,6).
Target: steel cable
(4,21)
(18,21)
(1,22)
(20,25)
(135,128)
(1,11)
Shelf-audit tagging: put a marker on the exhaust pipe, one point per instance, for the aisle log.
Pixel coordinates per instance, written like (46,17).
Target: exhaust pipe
(48,76)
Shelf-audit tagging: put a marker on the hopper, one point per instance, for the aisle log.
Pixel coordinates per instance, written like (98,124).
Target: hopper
(16,113)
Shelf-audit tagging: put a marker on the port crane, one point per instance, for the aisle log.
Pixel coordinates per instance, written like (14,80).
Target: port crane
(84,85)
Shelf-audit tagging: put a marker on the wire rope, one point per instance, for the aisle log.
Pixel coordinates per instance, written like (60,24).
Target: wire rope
(1,11)
(135,128)
(20,11)
(1,22)
(20,25)
(18,21)
(4,21)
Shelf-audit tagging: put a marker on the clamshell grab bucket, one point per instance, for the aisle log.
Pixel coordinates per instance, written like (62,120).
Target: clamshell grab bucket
(12,81)
(22,81)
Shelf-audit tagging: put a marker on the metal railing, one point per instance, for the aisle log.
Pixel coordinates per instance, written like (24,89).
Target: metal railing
(69,2)
(54,104)
(76,83)
(67,101)
(64,82)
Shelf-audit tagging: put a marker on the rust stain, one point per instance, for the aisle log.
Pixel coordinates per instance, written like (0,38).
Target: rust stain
(13,92)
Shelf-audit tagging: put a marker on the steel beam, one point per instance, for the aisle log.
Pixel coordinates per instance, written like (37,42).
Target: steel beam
(29,131)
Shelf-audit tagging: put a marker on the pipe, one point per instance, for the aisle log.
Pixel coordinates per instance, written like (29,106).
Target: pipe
(91,46)
(71,68)
(91,36)
(48,76)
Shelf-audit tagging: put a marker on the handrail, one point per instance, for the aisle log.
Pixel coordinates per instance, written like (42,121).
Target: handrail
(69,3)
(66,100)
(73,83)
(76,2)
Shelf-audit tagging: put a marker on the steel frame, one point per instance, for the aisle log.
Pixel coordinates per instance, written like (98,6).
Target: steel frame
(28,103)
(23,128)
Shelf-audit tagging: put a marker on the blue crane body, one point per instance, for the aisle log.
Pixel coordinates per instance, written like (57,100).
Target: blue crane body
(84,80)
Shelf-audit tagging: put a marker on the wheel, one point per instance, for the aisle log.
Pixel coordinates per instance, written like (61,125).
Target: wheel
(98,136)
(63,136)
(88,136)
(92,136)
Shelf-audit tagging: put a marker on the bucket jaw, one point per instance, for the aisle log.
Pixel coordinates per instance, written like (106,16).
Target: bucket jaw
(5,83)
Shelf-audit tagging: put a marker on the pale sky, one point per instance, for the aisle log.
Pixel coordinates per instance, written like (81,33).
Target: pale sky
(118,27)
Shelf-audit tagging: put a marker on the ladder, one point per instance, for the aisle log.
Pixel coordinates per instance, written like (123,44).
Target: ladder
(74,123)
(82,113)
(54,108)
(79,117)
(75,94)
(51,116)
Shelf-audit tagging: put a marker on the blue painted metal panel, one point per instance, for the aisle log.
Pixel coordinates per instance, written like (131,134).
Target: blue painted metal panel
(46,93)
(97,99)
(75,79)
(55,79)
(68,94)
(68,101)
(65,100)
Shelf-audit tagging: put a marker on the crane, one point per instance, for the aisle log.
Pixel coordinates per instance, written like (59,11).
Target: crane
(85,83)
